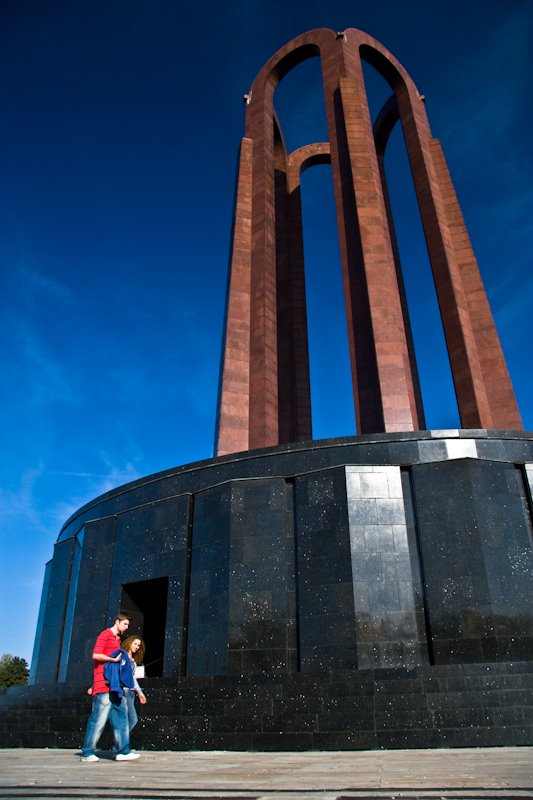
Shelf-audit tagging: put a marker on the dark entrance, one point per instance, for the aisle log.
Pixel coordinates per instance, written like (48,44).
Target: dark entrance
(146,602)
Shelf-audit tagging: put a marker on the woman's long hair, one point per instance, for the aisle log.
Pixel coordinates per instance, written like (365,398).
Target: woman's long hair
(139,655)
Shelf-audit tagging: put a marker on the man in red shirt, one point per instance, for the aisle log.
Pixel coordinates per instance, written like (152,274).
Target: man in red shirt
(103,708)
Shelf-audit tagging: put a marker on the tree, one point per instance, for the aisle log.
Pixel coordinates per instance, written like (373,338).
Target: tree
(14,671)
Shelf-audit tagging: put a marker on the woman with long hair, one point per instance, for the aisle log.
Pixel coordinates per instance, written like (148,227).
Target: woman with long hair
(134,647)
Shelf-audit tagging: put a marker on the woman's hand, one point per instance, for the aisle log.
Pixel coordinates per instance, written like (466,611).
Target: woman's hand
(142,698)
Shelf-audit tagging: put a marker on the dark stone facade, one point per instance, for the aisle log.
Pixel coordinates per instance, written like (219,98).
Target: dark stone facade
(371,591)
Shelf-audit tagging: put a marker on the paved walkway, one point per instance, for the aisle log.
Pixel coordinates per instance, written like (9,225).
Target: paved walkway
(505,772)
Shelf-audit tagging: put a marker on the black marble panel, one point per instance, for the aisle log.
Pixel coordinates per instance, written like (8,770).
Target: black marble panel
(54,615)
(68,626)
(386,576)
(476,545)
(241,609)
(327,630)
(207,629)
(40,624)
(261,597)
(92,612)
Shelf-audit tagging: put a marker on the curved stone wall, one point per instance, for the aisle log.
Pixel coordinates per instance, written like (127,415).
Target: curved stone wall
(403,551)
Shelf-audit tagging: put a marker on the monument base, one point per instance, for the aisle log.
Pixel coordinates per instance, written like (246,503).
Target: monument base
(467,705)
(370,591)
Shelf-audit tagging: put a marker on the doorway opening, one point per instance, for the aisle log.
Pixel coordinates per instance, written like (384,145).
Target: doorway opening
(146,603)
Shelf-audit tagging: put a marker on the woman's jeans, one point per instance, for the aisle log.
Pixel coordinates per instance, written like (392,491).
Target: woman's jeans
(132,711)
(117,712)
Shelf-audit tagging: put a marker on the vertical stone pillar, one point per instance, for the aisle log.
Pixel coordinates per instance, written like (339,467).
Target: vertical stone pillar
(264,421)
(470,389)
(47,658)
(380,355)
(382,130)
(36,655)
(386,583)
(294,393)
(502,405)
(233,417)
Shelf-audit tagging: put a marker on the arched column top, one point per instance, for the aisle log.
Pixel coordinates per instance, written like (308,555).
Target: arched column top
(377,55)
(299,49)
(314,42)
(309,155)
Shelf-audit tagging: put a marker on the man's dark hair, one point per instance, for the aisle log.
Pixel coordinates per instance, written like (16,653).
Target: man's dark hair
(121,616)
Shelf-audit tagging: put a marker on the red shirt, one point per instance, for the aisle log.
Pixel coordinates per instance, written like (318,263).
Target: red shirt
(106,644)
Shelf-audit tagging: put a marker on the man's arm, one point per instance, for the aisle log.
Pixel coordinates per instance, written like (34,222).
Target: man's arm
(102,657)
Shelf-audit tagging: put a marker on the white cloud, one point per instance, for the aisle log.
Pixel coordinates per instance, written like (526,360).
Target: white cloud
(17,506)
(34,286)
(22,509)
(30,359)
(91,485)
(31,362)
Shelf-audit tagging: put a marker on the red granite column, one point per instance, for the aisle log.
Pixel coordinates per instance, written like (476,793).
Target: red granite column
(283,292)
(269,409)
(470,388)
(472,341)
(383,381)
(385,122)
(233,409)
(292,294)
(293,351)
(504,411)
(264,422)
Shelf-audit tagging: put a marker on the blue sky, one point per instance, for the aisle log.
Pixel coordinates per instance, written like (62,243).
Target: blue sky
(119,129)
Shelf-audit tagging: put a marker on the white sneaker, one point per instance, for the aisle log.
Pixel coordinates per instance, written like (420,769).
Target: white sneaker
(126,756)
(90,758)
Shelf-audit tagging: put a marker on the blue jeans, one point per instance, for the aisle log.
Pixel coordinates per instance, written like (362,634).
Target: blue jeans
(132,711)
(117,713)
